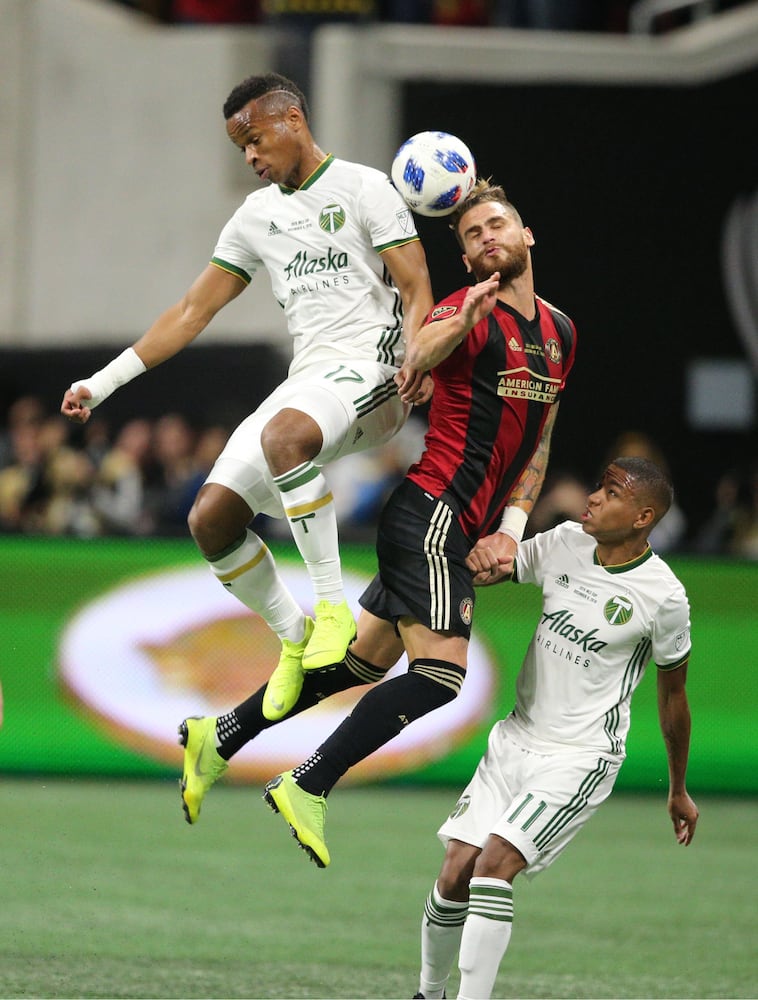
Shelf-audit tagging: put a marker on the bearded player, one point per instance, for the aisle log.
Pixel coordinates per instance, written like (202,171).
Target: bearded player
(499,357)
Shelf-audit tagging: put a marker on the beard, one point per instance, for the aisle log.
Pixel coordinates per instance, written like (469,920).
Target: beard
(511,268)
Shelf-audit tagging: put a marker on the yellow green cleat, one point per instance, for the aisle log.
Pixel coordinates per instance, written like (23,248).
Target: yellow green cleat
(202,764)
(333,632)
(304,812)
(286,682)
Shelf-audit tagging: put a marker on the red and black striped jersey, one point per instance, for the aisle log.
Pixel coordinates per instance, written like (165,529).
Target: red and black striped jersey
(491,399)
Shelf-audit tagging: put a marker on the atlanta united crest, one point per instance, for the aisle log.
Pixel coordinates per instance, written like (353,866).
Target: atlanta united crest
(466,610)
(553,351)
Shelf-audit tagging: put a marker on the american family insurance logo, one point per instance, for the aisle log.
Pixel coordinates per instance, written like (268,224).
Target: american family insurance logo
(156,649)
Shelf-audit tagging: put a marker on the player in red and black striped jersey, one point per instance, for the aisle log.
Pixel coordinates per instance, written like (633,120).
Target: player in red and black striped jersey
(499,357)
(492,398)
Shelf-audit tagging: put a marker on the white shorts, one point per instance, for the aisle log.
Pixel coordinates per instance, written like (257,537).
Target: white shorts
(356,406)
(537,802)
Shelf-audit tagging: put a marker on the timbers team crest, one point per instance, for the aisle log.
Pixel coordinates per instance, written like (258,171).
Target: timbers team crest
(331,218)
(461,806)
(618,610)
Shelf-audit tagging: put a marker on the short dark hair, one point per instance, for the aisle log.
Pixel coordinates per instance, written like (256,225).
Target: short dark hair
(258,86)
(482,191)
(653,483)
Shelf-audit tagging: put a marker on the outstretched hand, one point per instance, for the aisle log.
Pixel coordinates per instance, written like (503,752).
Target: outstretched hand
(491,559)
(684,815)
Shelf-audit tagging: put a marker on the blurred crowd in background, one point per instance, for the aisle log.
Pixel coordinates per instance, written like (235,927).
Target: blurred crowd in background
(140,480)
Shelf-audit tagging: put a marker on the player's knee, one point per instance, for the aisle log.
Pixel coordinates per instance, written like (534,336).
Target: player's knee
(218,517)
(499,859)
(377,643)
(456,871)
(362,670)
(196,520)
(290,438)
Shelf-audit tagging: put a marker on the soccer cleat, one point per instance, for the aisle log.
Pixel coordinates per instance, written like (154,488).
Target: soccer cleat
(286,682)
(333,632)
(304,812)
(202,765)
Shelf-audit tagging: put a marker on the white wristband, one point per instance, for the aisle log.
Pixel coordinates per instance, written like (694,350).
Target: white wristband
(123,369)
(513,523)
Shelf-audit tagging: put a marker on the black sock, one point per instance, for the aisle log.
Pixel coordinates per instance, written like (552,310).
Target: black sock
(380,715)
(247,720)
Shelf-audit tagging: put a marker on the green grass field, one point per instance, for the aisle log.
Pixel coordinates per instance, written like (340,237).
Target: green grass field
(106,892)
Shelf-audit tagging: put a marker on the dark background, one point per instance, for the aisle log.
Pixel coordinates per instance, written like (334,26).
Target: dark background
(626,190)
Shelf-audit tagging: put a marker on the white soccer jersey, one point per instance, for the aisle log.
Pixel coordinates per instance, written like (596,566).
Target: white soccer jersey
(321,245)
(598,629)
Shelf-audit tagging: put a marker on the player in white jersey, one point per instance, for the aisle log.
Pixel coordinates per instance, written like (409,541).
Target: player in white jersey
(609,606)
(347,267)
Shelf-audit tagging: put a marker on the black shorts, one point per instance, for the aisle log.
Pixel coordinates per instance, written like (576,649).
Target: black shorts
(422,552)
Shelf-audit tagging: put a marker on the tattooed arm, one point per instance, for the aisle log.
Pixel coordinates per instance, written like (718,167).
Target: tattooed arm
(491,559)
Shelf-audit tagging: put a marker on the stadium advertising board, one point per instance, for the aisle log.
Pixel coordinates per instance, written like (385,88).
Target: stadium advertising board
(107,645)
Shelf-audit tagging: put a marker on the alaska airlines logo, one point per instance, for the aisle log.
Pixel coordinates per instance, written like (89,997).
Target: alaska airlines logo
(560,623)
(332,218)
(521,383)
(302,265)
(618,610)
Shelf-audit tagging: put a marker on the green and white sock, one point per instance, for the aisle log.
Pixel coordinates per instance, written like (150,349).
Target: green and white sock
(247,570)
(486,936)
(441,929)
(309,506)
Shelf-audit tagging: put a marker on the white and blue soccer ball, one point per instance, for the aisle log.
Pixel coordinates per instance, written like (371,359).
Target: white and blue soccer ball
(433,171)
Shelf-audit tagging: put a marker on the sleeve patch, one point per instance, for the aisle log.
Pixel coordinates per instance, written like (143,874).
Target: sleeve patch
(443,312)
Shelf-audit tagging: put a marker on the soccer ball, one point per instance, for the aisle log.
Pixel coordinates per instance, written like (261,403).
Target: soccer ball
(433,171)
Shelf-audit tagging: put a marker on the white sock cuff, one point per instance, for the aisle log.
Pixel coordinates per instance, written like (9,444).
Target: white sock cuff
(450,904)
(247,555)
(495,883)
(491,898)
